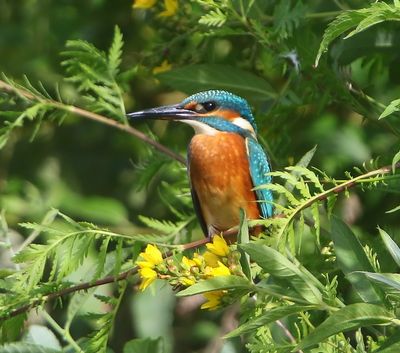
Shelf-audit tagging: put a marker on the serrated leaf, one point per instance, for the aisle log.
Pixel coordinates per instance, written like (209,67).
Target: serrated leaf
(266,318)
(280,189)
(287,18)
(194,78)
(391,246)
(348,318)
(377,13)
(351,257)
(160,225)
(361,19)
(115,52)
(338,26)
(217,283)
(215,18)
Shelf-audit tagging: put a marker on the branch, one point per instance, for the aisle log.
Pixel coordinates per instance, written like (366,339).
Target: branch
(87,285)
(93,116)
(193,245)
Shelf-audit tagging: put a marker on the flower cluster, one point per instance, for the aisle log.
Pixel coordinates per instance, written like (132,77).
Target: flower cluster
(170,6)
(218,260)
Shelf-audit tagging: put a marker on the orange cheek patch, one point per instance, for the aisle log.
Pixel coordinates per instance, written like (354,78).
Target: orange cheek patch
(224,113)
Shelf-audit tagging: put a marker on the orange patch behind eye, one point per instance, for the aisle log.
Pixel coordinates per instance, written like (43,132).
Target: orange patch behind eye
(224,113)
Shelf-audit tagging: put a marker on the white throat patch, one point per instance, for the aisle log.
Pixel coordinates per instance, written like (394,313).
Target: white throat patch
(200,128)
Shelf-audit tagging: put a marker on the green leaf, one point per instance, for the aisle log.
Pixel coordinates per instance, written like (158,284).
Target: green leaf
(243,238)
(144,345)
(395,209)
(217,283)
(195,78)
(393,106)
(22,347)
(266,318)
(215,18)
(390,280)
(377,13)
(306,159)
(115,52)
(395,160)
(351,257)
(361,19)
(348,318)
(280,267)
(338,26)
(391,344)
(391,246)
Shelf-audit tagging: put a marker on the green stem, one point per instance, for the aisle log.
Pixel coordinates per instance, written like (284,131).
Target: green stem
(63,333)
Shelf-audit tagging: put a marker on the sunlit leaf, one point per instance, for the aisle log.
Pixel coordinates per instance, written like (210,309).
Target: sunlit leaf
(391,246)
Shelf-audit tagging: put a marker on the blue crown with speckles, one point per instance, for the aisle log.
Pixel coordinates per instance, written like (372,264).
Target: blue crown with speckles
(225,100)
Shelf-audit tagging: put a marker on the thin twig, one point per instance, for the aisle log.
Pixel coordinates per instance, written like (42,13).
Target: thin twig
(124,275)
(87,285)
(93,116)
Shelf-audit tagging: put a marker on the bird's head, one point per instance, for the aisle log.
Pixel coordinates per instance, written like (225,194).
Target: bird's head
(207,112)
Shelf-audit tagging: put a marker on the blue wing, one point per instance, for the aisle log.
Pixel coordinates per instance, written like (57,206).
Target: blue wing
(259,166)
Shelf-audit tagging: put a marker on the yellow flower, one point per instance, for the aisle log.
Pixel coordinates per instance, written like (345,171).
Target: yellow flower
(152,256)
(188,263)
(198,259)
(148,276)
(171,6)
(221,270)
(218,246)
(143,4)
(165,66)
(186,281)
(211,259)
(213,299)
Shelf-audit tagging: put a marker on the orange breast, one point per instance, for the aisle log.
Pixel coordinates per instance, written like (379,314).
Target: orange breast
(220,176)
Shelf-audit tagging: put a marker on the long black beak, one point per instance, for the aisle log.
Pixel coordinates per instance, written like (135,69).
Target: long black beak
(165,112)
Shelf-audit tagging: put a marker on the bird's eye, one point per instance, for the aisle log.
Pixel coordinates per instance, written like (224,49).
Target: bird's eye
(209,106)
(205,107)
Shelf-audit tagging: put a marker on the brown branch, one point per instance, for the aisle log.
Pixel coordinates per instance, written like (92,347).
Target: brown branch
(124,275)
(87,285)
(132,131)
(95,117)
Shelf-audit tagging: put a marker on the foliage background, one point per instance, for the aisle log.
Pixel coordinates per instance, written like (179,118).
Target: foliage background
(94,173)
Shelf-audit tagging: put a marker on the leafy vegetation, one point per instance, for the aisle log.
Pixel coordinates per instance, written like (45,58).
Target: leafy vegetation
(83,193)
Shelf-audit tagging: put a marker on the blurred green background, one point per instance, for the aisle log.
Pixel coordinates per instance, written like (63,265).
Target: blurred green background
(92,172)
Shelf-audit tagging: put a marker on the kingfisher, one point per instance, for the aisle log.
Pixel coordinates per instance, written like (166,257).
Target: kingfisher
(226,164)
